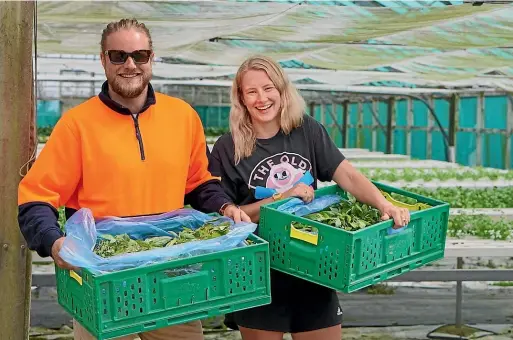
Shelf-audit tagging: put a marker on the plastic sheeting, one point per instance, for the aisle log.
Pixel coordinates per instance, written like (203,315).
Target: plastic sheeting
(420,41)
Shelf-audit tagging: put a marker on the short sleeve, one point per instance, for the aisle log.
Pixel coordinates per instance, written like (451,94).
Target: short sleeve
(221,165)
(327,155)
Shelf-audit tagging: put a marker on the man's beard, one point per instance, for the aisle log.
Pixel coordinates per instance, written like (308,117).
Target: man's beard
(130,90)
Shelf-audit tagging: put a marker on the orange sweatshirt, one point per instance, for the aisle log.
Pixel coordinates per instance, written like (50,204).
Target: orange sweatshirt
(115,164)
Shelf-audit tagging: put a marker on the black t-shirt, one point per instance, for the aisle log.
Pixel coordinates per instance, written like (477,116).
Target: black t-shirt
(277,163)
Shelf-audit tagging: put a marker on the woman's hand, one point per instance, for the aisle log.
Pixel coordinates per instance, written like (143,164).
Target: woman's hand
(302,191)
(235,213)
(401,216)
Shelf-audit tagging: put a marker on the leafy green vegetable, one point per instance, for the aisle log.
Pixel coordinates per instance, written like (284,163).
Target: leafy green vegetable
(349,215)
(122,244)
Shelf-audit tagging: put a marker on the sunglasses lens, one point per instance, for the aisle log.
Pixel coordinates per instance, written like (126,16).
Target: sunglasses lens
(117,57)
(141,57)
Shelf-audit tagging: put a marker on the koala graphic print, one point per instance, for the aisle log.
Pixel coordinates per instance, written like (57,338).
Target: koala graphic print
(306,154)
(279,173)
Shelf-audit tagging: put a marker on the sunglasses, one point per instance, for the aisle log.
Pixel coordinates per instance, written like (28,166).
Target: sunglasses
(118,57)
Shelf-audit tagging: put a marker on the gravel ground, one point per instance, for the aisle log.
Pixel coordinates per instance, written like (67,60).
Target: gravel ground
(495,332)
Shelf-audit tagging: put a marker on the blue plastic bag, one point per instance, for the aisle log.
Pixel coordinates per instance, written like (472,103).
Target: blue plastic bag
(297,207)
(82,233)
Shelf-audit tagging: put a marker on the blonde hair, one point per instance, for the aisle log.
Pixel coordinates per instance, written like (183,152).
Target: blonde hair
(291,111)
(124,24)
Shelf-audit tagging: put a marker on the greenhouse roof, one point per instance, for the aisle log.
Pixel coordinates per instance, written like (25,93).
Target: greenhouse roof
(452,44)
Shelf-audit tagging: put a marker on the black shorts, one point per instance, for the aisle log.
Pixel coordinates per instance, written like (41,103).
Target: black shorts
(297,306)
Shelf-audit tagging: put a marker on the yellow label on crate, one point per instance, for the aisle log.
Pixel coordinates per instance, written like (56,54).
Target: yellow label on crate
(301,235)
(411,207)
(77,277)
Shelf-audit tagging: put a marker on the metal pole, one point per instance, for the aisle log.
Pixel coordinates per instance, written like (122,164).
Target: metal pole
(345,123)
(453,128)
(509,131)
(312,109)
(459,296)
(17,144)
(390,124)
(333,114)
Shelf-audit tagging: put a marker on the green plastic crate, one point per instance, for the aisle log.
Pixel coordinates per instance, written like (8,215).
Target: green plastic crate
(146,298)
(348,261)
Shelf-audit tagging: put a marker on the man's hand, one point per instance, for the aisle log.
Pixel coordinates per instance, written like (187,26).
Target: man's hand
(56,247)
(236,214)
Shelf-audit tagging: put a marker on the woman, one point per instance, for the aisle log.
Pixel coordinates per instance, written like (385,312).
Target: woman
(275,151)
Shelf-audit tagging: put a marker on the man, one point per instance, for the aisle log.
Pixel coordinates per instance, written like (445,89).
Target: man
(128,151)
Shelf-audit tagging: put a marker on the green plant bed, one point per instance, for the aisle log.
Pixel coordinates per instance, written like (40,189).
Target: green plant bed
(410,175)
(481,226)
(469,197)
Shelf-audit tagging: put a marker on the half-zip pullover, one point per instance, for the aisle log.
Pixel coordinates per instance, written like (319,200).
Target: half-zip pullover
(95,160)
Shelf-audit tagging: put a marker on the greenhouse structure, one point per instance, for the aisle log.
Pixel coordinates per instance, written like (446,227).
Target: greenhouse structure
(418,95)
(428,79)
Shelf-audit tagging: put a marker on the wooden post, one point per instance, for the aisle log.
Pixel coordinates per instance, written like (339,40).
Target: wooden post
(17,143)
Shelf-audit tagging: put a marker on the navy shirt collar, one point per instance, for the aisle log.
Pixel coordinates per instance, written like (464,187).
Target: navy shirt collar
(105,98)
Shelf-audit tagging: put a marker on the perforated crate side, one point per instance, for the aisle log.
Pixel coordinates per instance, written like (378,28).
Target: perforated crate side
(348,261)
(159,295)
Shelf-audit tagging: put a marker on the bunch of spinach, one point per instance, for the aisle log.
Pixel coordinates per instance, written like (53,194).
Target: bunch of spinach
(110,245)
(349,215)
